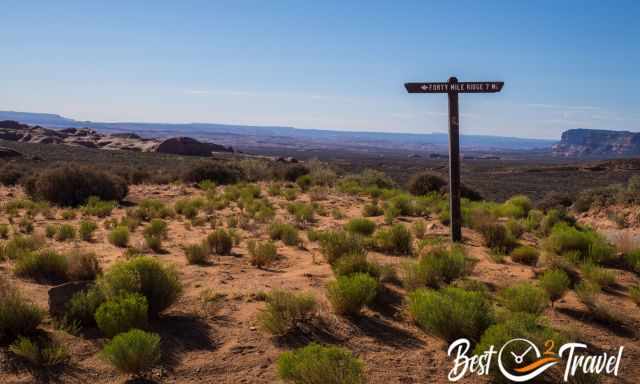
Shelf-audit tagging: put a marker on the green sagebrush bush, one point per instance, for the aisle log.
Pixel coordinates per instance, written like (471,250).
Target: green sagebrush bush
(160,284)
(82,307)
(525,255)
(134,352)
(525,297)
(20,245)
(72,186)
(584,245)
(97,207)
(517,207)
(284,310)
(632,260)
(451,313)
(119,236)
(361,226)
(335,244)
(287,233)
(436,267)
(349,294)
(396,240)
(18,316)
(86,230)
(356,263)
(555,282)
(317,364)
(122,313)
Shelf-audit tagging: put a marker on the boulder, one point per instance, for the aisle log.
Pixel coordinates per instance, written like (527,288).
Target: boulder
(189,147)
(60,295)
(6,153)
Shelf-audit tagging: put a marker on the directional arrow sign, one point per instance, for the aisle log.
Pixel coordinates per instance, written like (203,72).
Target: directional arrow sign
(466,87)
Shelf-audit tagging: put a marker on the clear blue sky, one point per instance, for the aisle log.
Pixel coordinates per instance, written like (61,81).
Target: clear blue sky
(325,64)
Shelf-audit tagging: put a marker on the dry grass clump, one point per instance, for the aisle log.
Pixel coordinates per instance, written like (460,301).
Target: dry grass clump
(40,352)
(262,253)
(197,253)
(220,242)
(20,245)
(45,265)
(18,316)
(65,232)
(51,266)
(284,310)
(97,207)
(396,240)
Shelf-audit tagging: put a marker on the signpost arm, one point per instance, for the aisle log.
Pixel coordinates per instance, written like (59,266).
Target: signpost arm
(454,165)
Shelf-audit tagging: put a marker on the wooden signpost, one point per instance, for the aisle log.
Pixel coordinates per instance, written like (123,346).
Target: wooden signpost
(453,87)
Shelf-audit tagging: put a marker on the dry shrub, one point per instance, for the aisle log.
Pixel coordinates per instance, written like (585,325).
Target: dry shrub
(72,186)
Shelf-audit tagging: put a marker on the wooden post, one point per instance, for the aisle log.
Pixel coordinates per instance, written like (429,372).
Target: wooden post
(454,164)
(452,88)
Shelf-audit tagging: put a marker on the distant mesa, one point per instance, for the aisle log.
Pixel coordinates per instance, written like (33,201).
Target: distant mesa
(597,143)
(187,146)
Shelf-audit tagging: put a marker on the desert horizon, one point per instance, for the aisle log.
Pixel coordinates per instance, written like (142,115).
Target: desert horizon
(371,192)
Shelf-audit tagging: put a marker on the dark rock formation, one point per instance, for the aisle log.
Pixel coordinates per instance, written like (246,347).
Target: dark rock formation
(597,143)
(60,295)
(189,147)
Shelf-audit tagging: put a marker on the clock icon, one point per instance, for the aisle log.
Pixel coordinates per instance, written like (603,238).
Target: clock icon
(520,360)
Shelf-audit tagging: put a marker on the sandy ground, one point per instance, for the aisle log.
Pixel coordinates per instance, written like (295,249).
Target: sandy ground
(228,346)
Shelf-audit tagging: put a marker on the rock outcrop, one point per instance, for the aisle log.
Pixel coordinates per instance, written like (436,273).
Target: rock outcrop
(189,147)
(60,295)
(597,143)
(89,138)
